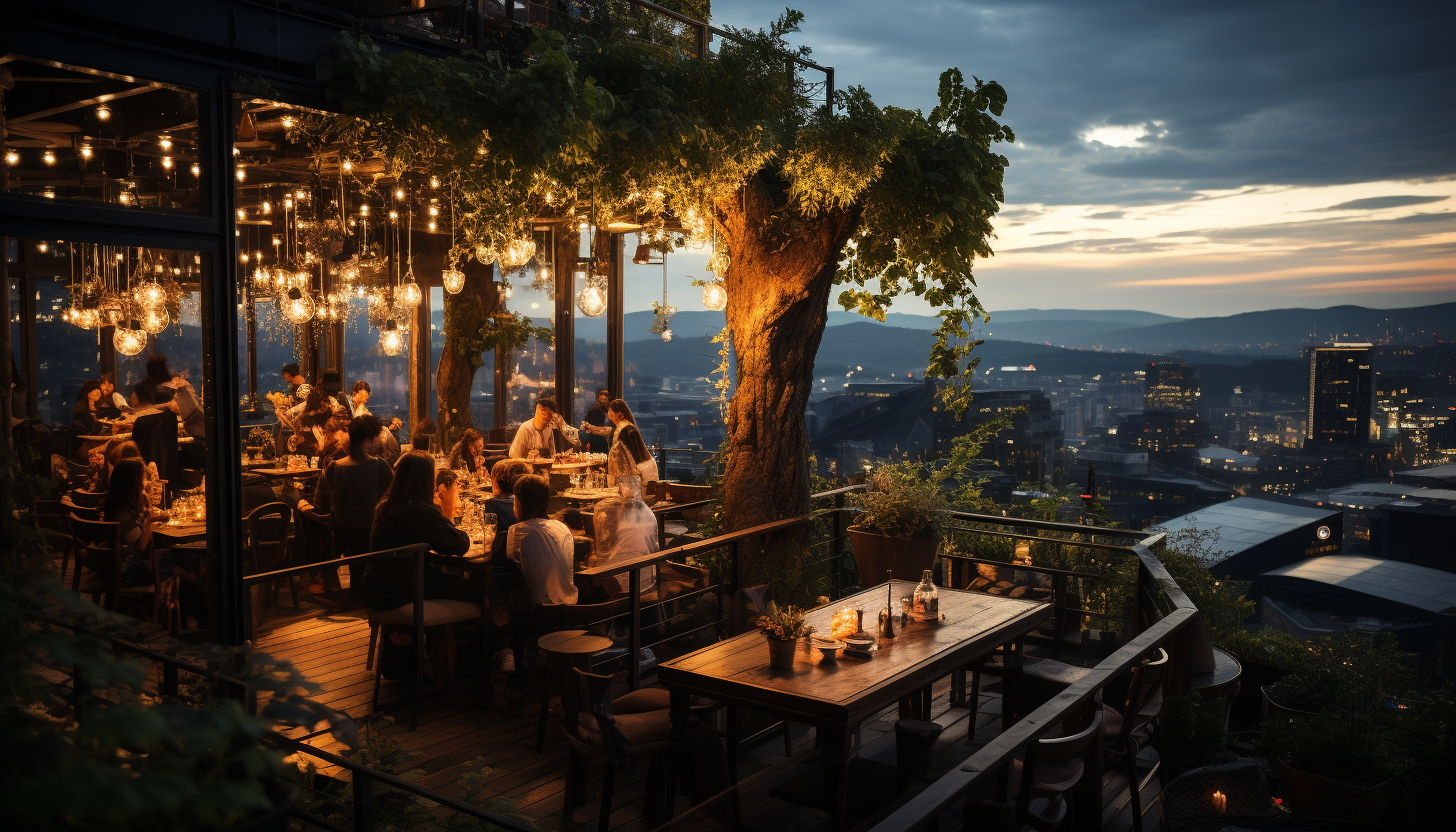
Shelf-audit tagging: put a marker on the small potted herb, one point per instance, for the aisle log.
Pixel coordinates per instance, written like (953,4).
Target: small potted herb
(783,627)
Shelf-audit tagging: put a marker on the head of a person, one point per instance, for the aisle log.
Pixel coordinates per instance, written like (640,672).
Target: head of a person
(108,384)
(620,413)
(545,412)
(331,381)
(631,438)
(447,484)
(364,435)
(291,374)
(425,430)
(157,370)
(316,401)
(471,443)
(90,393)
(361,392)
(533,496)
(125,488)
(505,473)
(119,449)
(142,394)
(604,398)
(414,482)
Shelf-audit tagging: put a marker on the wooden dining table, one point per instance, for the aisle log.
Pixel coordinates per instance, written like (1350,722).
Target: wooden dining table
(836,696)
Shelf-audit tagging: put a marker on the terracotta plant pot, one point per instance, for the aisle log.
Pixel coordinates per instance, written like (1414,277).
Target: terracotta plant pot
(781,653)
(1320,797)
(880,557)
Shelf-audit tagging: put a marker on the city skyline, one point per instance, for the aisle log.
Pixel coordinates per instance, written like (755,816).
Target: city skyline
(1192,160)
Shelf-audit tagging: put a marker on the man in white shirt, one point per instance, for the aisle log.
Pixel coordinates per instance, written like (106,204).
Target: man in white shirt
(540,433)
(542,546)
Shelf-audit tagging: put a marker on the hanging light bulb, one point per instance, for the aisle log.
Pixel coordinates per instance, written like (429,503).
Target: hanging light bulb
(103,113)
(391,340)
(167,162)
(506,290)
(155,320)
(89,318)
(242,173)
(484,254)
(715,295)
(129,341)
(262,279)
(592,300)
(667,334)
(517,252)
(165,142)
(288,122)
(85,151)
(196,169)
(150,294)
(42,247)
(12,158)
(409,295)
(298,306)
(434,181)
(453,280)
(399,193)
(348,166)
(49,157)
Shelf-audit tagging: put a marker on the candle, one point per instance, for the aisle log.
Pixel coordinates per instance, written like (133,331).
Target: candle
(1220,802)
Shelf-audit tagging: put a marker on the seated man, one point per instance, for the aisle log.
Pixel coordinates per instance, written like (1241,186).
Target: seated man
(542,546)
(541,433)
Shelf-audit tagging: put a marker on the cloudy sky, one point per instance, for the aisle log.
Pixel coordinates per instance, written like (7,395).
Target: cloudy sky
(1188,158)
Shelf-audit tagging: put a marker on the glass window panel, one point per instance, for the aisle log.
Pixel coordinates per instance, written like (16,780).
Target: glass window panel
(364,360)
(534,373)
(590,358)
(73,133)
(668,386)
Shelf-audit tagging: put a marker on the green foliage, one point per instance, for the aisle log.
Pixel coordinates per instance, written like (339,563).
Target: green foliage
(1267,646)
(25,553)
(507,333)
(783,623)
(1190,555)
(901,503)
(610,122)
(957,477)
(1191,733)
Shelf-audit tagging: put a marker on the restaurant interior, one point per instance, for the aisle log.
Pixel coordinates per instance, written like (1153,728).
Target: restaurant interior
(188,257)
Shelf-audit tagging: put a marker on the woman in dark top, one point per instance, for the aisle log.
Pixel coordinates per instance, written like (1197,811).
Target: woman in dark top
(317,410)
(405,516)
(469,452)
(350,488)
(84,412)
(126,505)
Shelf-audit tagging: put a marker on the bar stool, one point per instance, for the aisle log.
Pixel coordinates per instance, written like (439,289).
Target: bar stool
(565,650)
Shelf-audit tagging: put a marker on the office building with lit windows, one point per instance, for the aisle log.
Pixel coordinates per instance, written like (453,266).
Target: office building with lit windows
(1341,395)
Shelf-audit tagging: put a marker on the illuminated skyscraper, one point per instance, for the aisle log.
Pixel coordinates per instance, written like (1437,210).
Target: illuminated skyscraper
(1171,387)
(1340,395)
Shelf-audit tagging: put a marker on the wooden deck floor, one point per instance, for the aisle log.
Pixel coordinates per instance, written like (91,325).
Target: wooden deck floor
(481,719)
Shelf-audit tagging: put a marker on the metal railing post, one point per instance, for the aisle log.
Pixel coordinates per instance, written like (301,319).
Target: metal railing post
(634,639)
(735,554)
(838,547)
(661,460)
(363,802)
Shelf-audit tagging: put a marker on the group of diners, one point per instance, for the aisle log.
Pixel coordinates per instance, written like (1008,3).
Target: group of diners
(318,415)
(159,408)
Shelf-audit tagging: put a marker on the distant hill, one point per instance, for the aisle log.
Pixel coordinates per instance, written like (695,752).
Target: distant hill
(1281,331)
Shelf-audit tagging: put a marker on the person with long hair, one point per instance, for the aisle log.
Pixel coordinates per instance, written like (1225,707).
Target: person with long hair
(350,488)
(84,416)
(315,412)
(408,514)
(619,414)
(630,455)
(126,505)
(334,443)
(469,452)
(423,434)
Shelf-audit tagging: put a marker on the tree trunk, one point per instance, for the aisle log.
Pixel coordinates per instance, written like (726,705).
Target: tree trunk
(779,279)
(465,314)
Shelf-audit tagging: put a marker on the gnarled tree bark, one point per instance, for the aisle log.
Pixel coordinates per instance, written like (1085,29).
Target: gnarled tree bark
(465,314)
(779,279)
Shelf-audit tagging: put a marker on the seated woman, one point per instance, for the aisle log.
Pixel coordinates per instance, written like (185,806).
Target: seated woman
(189,408)
(469,452)
(626,528)
(84,412)
(333,439)
(542,546)
(408,514)
(423,436)
(634,460)
(126,504)
(315,412)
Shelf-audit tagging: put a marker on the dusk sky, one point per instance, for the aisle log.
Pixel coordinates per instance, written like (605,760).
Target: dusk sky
(1185,158)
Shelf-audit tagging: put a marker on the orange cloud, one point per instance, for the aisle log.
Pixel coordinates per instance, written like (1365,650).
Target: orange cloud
(1294,273)
(1416,283)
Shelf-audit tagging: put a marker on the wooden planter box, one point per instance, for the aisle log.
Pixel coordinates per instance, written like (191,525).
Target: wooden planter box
(880,557)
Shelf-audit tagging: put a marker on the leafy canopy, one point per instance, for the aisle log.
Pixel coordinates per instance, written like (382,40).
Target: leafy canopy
(613,127)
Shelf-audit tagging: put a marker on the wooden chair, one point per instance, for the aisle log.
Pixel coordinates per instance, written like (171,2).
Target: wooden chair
(618,731)
(590,618)
(1127,731)
(50,516)
(1051,768)
(99,541)
(1005,662)
(266,533)
(88,499)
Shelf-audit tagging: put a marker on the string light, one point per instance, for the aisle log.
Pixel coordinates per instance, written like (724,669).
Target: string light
(391,340)
(242,174)
(267,207)
(453,280)
(196,169)
(103,113)
(165,142)
(348,166)
(85,151)
(288,122)
(48,157)
(297,306)
(167,162)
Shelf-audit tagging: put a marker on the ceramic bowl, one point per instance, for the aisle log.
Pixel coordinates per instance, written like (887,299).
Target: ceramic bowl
(827,646)
(859,643)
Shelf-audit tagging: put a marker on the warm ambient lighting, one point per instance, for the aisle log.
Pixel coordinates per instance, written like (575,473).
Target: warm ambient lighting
(128,341)
(506,290)
(348,166)
(409,295)
(297,306)
(42,247)
(288,122)
(12,158)
(453,280)
(85,151)
(156,320)
(715,295)
(592,300)
(196,169)
(48,157)
(167,162)
(165,142)
(1220,802)
(667,334)
(103,112)
(391,340)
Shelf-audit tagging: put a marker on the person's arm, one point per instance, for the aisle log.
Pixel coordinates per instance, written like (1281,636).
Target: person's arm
(568,431)
(514,536)
(439,532)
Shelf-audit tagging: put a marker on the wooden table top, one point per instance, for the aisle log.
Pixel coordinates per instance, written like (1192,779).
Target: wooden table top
(849,689)
(284,472)
(573,643)
(188,529)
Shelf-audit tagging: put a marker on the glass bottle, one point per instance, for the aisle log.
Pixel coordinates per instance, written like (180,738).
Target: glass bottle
(927,599)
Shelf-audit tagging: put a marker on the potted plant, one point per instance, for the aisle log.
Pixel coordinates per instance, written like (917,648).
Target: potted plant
(898,530)
(1339,754)
(260,443)
(782,627)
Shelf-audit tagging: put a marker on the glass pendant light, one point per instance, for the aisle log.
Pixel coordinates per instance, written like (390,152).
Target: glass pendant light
(155,319)
(391,339)
(298,306)
(453,280)
(505,289)
(715,295)
(592,299)
(129,341)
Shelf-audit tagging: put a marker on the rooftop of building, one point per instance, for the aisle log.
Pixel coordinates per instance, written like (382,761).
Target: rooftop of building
(1363,495)
(1425,589)
(1246,522)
